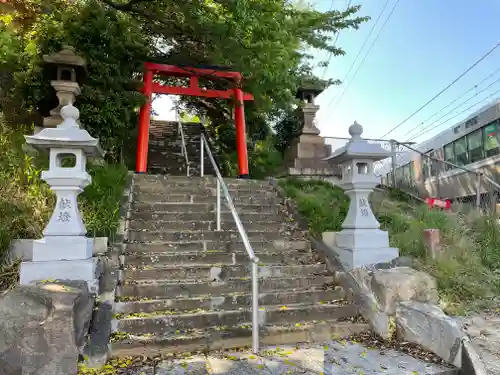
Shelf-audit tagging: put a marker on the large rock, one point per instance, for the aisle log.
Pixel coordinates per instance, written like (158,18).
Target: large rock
(357,286)
(376,292)
(43,328)
(430,327)
(402,284)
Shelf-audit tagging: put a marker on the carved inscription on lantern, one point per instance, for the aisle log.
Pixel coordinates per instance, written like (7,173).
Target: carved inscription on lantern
(363,206)
(64,206)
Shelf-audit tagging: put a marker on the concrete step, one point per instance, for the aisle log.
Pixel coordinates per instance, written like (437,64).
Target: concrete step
(210,273)
(165,236)
(210,246)
(197,189)
(199,185)
(213,338)
(170,323)
(207,198)
(219,258)
(201,207)
(172,290)
(230,182)
(157,225)
(229,301)
(226,217)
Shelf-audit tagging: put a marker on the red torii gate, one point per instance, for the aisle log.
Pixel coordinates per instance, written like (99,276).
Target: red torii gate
(151,87)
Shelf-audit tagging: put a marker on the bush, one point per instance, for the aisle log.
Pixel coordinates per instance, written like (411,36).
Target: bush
(263,160)
(467,277)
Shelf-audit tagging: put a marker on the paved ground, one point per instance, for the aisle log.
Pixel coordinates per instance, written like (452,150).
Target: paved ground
(336,358)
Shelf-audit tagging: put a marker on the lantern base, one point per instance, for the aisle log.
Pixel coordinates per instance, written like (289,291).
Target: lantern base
(360,257)
(81,269)
(362,238)
(52,248)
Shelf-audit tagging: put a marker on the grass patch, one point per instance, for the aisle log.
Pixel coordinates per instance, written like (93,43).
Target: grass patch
(26,202)
(468,276)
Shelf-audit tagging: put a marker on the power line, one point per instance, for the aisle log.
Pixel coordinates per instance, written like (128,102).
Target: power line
(336,38)
(455,100)
(443,90)
(456,107)
(466,109)
(367,53)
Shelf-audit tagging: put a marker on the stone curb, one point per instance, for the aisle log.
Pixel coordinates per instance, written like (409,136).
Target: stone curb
(97,349)
(472,363)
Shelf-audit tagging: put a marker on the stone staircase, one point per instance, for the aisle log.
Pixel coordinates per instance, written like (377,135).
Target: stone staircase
(184,287)
(165,149)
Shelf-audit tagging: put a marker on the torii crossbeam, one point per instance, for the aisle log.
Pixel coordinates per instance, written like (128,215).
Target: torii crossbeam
(150,87)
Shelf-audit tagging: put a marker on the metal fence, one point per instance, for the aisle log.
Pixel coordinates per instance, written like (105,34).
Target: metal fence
(425,175)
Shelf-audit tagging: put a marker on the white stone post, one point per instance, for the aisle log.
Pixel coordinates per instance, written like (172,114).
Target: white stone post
(64,253)
(360,242)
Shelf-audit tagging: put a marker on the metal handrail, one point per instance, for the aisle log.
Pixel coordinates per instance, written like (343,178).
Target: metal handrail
(221,185)
(183,144)
(465,169)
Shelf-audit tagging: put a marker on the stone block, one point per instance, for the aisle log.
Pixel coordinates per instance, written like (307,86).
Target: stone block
(329,238)
(360,257)
(432,241)
(52,248)
(402,284)
(43,328)
(23,248)
(357,285)
(428,326)
(85,269)
(362,238)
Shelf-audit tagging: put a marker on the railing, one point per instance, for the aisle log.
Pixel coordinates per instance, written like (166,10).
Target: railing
(438,178)
(221,185)
(183,144)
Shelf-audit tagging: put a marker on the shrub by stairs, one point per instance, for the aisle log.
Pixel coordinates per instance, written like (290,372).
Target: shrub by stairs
(185,287)
(165,149)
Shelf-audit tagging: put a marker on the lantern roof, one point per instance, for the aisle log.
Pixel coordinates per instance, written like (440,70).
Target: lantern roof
(358,148)
(66,135)
(66,56)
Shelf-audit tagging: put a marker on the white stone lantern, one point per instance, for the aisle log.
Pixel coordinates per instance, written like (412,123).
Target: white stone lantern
(64,253)
(360,242)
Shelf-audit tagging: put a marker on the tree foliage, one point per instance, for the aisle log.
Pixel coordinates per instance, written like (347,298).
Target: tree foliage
(113,45)
(268,41)
(265,40)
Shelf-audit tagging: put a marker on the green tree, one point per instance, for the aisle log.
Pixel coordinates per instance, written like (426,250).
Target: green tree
(114,46)
(265,40)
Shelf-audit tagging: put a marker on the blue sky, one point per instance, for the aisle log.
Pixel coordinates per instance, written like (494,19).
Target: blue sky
(424,46)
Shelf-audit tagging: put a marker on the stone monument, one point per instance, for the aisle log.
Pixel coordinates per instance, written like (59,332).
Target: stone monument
(65,69)
(64,253)
(307,151)
(360,242)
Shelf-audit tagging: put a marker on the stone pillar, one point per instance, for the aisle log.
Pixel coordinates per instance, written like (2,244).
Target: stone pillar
(360,242)
(307,151)
(64,253)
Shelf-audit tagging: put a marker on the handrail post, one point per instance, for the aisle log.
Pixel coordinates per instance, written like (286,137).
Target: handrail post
(180,130)
(393,163)
(478,190)
(202,156)
(218,205)
(255,309)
